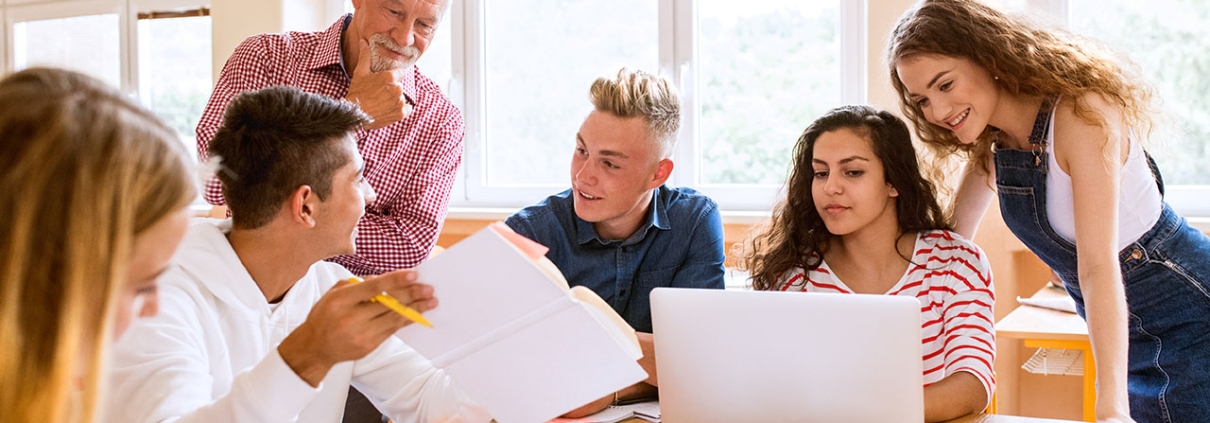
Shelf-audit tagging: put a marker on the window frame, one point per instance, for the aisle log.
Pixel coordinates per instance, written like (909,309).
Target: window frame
(132,47)
(677,61)
(4,48)
(30,11)
(20,11)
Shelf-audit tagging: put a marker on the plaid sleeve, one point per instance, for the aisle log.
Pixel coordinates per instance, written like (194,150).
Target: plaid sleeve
(398,233)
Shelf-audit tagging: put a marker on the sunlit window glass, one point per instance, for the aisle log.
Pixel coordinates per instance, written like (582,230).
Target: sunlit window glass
(88,44)
(175,75)
(541,58)
(768,68)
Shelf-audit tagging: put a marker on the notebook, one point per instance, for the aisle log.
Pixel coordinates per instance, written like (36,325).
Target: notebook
(510,331)
(747,356)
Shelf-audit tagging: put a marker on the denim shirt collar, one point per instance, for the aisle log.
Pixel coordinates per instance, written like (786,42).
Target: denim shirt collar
(656,217)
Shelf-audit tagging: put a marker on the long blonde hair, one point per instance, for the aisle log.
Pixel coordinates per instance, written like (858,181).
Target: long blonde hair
(1026,59)
(83,170)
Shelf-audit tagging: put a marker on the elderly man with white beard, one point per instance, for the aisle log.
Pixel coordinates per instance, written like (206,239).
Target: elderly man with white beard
(413,146)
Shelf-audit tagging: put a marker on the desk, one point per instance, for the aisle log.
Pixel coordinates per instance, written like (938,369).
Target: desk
(973,418)
(996,418)
(1044,328)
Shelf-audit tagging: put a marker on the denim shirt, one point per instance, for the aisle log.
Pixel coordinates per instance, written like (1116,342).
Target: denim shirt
(679,244)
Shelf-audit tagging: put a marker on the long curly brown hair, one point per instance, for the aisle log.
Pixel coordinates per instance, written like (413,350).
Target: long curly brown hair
(796,235)
(1027,60)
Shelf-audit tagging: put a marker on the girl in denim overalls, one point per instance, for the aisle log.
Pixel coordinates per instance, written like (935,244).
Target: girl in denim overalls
(1057,126)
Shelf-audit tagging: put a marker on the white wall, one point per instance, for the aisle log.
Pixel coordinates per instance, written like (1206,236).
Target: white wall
(235,20)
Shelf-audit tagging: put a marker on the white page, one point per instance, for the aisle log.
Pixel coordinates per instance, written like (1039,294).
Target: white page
(547,369)
(481,284)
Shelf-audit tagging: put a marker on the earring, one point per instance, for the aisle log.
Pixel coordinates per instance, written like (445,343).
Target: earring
(996,78)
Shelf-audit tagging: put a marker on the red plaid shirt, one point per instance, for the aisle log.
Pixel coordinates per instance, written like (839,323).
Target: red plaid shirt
(410,164)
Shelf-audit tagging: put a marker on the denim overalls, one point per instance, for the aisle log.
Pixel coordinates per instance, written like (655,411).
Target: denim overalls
(1165,274)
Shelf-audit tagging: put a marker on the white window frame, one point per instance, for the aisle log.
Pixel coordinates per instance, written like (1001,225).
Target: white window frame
(19,11)
(132,47)
(677,62)
(4,49)
(31,10)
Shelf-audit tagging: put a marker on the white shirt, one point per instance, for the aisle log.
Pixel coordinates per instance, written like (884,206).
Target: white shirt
(1139,201)
(210,355)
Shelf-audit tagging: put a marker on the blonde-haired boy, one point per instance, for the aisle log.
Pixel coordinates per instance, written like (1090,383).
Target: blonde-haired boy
(619,231)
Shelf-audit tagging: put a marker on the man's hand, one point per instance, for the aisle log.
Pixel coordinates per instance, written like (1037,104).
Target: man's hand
(647,344)
(639,390)
(345,325)
(378,94)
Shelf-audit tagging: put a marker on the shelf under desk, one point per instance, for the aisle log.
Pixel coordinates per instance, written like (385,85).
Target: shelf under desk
(1045,328)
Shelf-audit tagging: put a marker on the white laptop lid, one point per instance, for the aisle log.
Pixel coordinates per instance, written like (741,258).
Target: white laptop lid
(748,356)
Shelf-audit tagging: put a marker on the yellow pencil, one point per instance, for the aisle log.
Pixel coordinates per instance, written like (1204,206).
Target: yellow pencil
(393,304)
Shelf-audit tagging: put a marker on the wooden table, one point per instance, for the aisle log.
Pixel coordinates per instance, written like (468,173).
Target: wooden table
(973,418)
(997,418)
(1044,328)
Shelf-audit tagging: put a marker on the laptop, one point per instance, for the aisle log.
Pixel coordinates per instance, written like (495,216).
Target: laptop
(757,356)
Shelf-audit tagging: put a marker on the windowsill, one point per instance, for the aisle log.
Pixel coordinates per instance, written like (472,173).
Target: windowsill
(501,213)
(1202,223)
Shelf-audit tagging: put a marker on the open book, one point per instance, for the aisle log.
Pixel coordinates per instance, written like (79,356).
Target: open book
(510,332)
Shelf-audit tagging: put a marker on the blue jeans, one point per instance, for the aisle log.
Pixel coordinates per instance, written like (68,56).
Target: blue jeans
(1165,275)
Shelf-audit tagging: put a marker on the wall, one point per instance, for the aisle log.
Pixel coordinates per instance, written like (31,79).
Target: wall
(235,20)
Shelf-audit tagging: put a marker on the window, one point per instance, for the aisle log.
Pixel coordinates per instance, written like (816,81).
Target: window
(540,57)
(750,80)
(88,44)
(1169,41)
(156,50)
(175,76)
(766,71)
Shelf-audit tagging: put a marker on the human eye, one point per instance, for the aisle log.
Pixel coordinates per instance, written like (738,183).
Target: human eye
(922,102)
(854,173)
(946,86)
(820,174)
(610,165)
(425,27)
(581,151)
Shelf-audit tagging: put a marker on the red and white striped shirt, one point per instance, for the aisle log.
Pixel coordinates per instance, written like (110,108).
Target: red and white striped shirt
(952,279)
(410,164)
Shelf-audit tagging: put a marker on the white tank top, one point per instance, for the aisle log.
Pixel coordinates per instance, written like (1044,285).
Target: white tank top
(1139,200)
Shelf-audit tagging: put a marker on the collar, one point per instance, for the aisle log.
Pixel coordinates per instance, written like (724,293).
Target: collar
(328,51)
(329,54)
(657,217)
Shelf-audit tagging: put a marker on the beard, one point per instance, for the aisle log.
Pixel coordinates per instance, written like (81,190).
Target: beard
(380,61)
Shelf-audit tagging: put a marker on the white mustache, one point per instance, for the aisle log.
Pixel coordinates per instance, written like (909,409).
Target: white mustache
(386,42)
